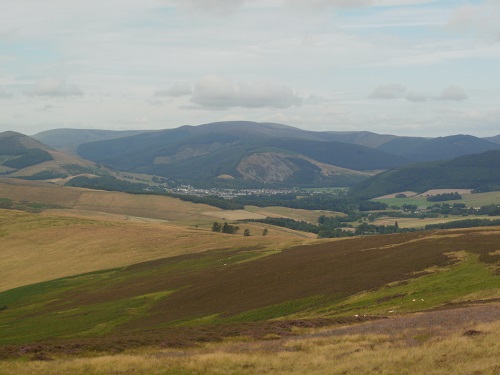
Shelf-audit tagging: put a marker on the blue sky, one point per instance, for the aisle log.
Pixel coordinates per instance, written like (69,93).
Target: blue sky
(416,67)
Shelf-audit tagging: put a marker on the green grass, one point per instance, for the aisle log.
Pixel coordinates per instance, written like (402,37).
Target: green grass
(281,310)
(331,279)
(48,310)
(470,200)
(467,278)
(417,201)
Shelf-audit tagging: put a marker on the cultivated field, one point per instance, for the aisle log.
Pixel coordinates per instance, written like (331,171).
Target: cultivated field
(471,200)
(421,223)
(310,216)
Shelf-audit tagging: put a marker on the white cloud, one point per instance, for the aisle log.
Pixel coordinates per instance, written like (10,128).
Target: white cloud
(414,96)
(176,90)
(211,6)
(220,93)
(389,91)
(4,94)
(50,86)
(453,92)
(482,19)
(329,3)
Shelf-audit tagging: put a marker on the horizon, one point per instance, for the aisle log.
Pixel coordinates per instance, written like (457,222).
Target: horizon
(422,68)
(345,131)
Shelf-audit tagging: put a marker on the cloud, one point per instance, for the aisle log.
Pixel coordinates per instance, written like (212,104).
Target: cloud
(50,86)
(414,96)
(329,3)
(218,92)
(453,92)
(397,91)
(4,94)
(211,6)
(483,19)
(176,90)
(389,91)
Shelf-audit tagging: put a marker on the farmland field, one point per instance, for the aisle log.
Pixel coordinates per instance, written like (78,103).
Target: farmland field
(421,223)
(471,200)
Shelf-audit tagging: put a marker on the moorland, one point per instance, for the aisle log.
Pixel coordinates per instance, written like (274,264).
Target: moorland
(126,270)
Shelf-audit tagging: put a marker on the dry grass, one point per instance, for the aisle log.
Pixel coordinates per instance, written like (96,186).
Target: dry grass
(415,344)
(292,213)
(40,247)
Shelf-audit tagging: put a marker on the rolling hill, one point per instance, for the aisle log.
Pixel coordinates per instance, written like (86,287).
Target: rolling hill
(241,153)
(230,290)
(480,172)
(26,158)
(495,139)
(68,140)
(441,148)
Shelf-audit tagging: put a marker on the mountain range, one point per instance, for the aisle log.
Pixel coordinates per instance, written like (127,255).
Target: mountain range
(243,154)
(249,153)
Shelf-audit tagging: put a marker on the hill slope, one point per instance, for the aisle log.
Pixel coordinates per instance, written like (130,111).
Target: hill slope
(24,157)
(199,155)
(495,139)
(481,171)
(68,140)
(192,294)
(442,148)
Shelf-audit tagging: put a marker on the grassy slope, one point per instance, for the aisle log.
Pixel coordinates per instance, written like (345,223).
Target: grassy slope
(38,247)
(430,343)
(238,284)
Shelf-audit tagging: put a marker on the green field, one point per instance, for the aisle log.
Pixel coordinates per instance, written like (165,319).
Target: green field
(471,200)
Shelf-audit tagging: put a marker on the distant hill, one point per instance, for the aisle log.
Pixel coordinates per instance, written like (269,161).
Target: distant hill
(495,139)
(27,158)
(442,148)
(362,138)
(68,140)
(18,151)
(242,153)
(481,171)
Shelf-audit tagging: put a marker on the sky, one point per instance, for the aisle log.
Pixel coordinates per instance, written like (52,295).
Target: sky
(404,67)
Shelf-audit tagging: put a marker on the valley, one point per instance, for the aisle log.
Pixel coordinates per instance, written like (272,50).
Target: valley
(107,267)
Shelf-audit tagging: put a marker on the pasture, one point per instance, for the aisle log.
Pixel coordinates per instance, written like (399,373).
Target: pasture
(470,200)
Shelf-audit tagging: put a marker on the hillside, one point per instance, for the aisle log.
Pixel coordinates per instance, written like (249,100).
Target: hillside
(495,139)
(362,138)
(481,172)
(441,148)
(246,154)
(26,158)
(184,299)
(68,140)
